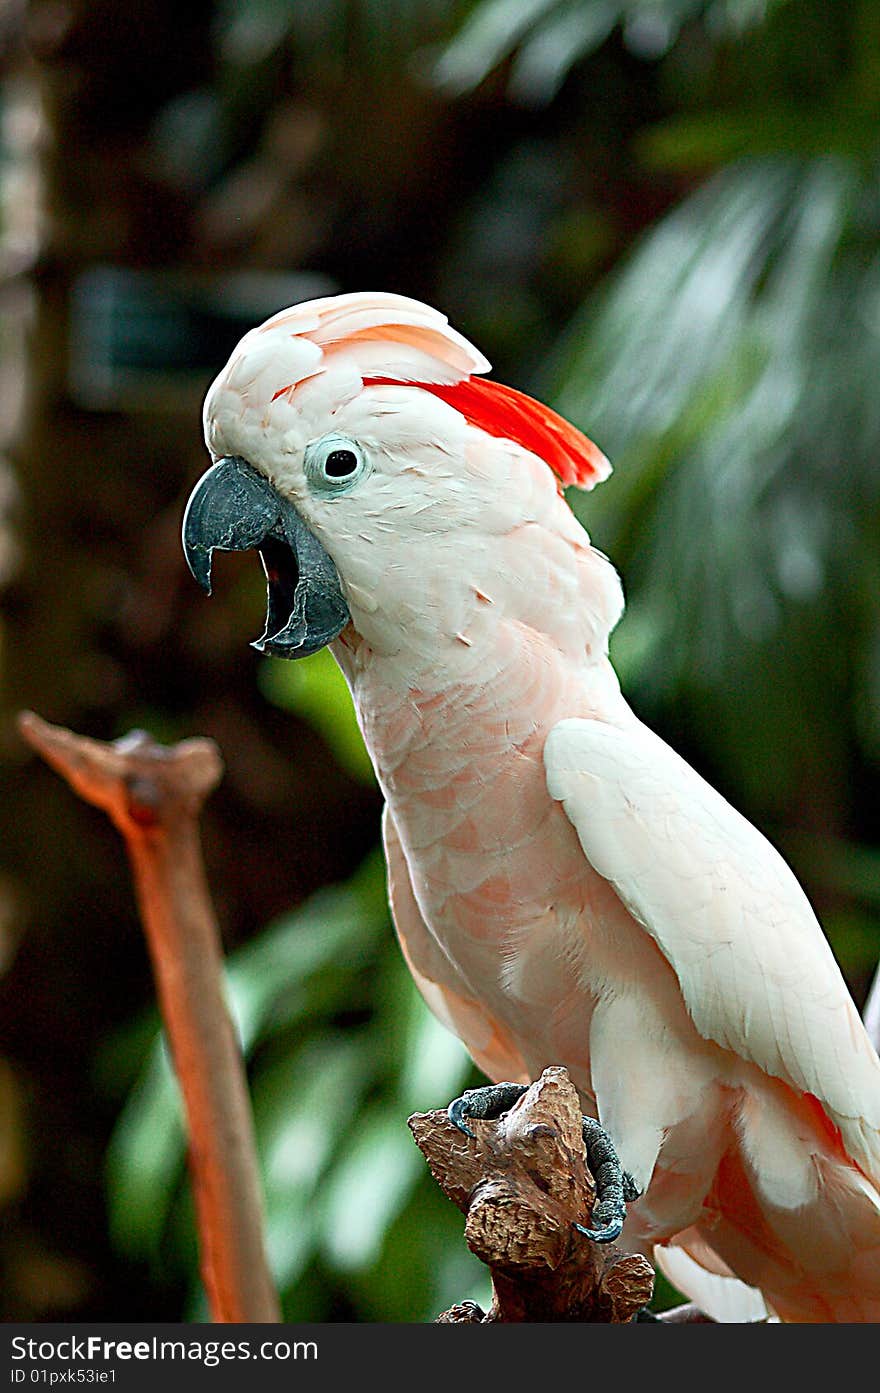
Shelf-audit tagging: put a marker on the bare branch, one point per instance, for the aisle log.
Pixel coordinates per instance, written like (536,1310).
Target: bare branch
(154,795)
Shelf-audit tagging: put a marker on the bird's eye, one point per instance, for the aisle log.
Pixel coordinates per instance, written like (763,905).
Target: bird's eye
(334,463)
(339,464)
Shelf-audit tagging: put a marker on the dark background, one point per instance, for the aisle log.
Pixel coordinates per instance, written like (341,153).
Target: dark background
(662,217)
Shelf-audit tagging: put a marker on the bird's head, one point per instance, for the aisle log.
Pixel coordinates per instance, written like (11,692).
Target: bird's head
(358,450)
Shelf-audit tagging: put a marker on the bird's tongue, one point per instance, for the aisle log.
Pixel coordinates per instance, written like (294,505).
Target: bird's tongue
(233,508)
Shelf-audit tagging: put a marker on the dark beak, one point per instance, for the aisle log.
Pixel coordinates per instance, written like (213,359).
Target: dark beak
(233,508)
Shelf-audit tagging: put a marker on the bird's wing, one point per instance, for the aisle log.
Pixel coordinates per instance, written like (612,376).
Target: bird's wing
(755,969)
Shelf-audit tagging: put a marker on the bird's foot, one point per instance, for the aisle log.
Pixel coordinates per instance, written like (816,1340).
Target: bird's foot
(484,1103)
(614,1186)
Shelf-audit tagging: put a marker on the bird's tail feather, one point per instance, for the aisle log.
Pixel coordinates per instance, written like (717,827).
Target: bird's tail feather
(723,1297)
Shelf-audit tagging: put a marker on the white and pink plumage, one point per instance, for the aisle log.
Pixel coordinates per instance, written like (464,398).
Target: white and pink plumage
(566,889)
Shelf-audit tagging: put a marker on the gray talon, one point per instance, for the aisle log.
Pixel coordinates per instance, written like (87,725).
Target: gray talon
(492,1101)
(614,1186)
(607,1234)
(457,1112)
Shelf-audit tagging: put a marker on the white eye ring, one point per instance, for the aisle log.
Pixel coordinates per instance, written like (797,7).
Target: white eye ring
(335,463)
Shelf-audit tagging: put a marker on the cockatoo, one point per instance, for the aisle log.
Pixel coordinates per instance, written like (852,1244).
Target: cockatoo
(565,888)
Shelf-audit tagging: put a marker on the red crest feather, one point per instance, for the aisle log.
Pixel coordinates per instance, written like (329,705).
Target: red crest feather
(510,415)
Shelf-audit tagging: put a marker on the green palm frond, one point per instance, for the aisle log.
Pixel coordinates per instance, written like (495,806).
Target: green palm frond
(729,368)
(546,38)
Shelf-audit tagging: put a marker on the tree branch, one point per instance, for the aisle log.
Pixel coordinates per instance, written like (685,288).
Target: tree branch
(154,795)
(522,1184)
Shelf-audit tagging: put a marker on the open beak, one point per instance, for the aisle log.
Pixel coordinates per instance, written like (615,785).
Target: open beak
(233,508)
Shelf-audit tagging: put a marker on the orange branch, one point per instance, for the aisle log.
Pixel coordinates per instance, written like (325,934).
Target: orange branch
(154,795)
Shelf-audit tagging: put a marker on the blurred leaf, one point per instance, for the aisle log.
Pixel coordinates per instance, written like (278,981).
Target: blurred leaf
(548,54)
(144,1163)
(302,1107)
(381,31)
(548,37)
(677,309)
(490,33)
(272,980)
(700,367)
(368,1188)
(424,1265)
(315,690)
(434,1063)
(702,142)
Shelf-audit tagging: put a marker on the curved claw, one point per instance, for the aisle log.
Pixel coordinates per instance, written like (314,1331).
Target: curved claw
(609,1233)
(492,1101)
(614,1186)
(457,1112)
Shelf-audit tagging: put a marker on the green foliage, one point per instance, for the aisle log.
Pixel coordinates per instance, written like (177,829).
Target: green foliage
(380,32)
(546,38)
(730,371)
(340,1050)
(315,690)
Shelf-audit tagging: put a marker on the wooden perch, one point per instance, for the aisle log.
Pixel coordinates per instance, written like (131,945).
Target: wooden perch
(523,1184)
(154,795)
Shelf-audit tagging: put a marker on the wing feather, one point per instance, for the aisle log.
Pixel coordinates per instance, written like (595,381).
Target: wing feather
(756,971)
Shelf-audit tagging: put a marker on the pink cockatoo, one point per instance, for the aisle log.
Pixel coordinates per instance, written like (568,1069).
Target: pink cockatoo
(566,889)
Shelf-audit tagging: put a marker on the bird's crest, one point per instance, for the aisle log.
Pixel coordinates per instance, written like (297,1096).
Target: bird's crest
(511,415)
(390,339)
